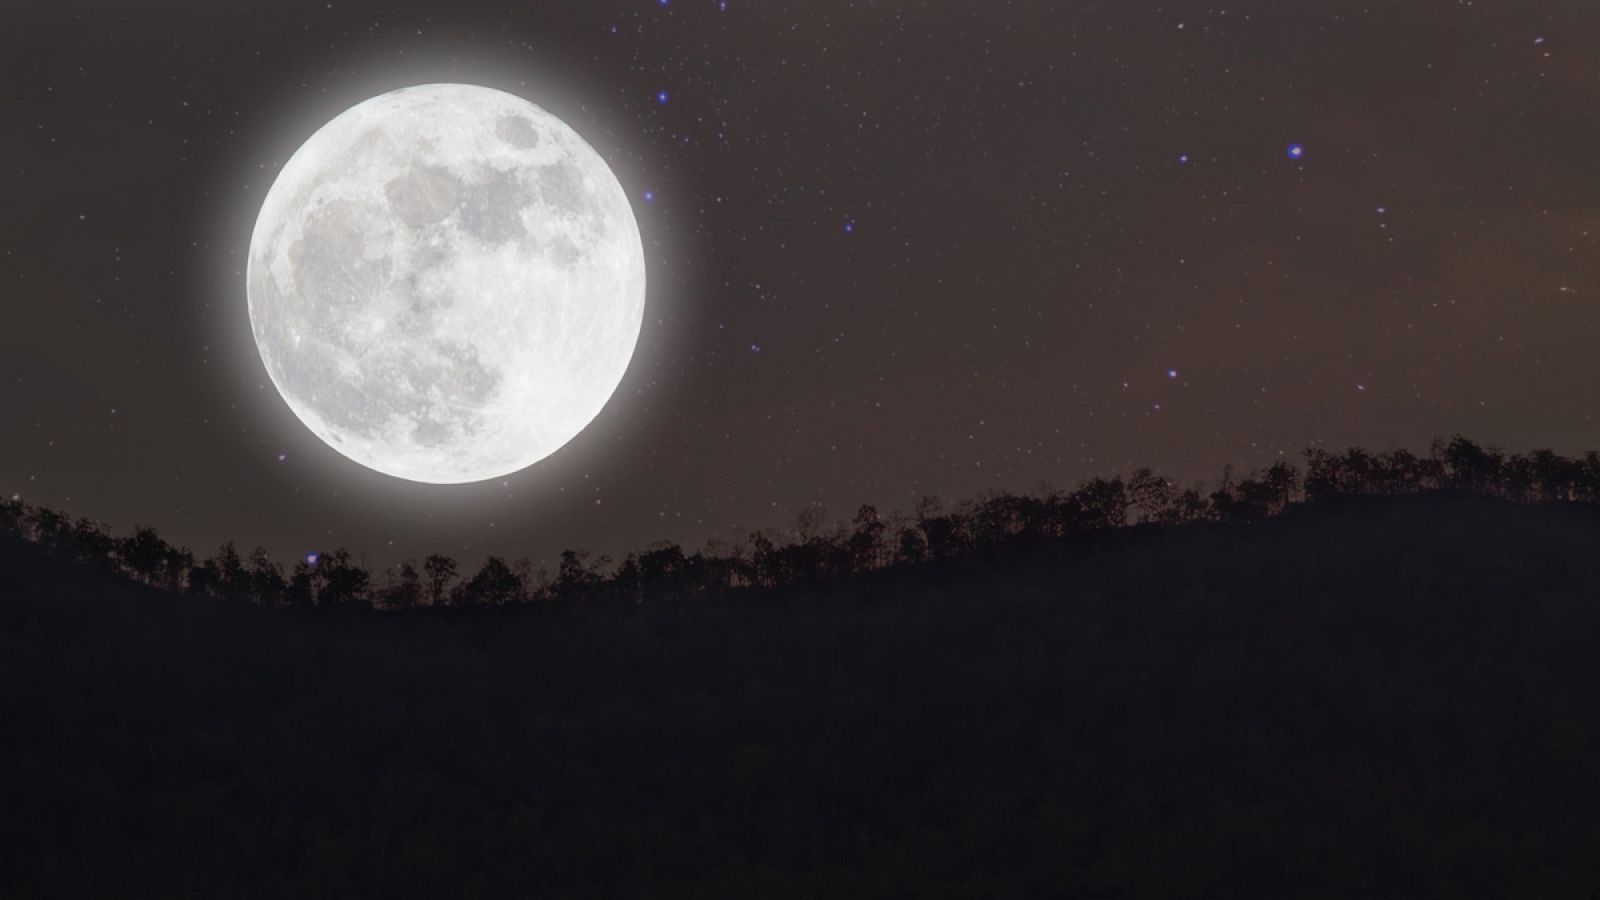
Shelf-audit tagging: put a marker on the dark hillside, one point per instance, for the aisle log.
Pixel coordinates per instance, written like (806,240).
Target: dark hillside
(1364,697)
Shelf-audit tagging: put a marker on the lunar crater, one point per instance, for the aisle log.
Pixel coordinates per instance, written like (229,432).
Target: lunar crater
(423,196)
(517,131)
(491,210)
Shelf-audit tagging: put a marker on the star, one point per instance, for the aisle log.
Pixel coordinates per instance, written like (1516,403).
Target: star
(649,196)
(661,97)
(1297,152)
(311,559)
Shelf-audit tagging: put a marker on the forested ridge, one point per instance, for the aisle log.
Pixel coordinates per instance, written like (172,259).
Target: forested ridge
(1354,685)
(811,550)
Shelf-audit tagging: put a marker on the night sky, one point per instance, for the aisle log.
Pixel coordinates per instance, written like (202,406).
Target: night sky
(894,249)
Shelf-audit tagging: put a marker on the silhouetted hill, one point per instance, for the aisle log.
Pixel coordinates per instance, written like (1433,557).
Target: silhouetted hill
(1363,697)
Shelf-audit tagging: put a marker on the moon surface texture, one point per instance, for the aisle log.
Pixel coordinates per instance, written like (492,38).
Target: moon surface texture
(446,283)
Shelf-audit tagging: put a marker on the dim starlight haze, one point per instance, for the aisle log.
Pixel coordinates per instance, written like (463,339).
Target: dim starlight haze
(894,250)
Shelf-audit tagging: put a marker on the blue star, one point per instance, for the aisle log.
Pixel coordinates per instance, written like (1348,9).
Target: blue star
(661,97)
(849,227)
(1183,160)
(1172,373)
(311,559)
(1297,152)
(649,196)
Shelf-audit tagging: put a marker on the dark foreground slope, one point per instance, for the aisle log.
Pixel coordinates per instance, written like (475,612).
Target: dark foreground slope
(1386,698)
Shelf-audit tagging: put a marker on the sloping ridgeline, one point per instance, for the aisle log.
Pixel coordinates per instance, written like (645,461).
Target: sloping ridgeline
(1370,697)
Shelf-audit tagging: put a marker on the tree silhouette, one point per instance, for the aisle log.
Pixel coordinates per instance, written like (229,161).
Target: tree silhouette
(994,519)
(911,549)
(175,568)
(1099,504)
(1282,483)
(1153,496)
(943,535)
(50,529)
(91,544)
(266,579)
(663,571)
(223,575)
(575,579)
(1471,467)
(1401,472)
(809,521)
(766,563)
(406,592)
(12,513)
(440,571)
(203,579)
(1549,476)
(143,552)
(494,585)
(1587,473)
(344,583)
(866,539)
(304,584)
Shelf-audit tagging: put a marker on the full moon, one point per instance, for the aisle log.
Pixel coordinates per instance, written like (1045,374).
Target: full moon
(446,283)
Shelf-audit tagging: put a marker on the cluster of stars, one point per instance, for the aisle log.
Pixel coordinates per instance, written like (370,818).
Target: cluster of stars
(772,133)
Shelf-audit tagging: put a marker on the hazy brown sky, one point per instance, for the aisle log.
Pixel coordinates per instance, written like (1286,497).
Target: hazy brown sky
(895,249)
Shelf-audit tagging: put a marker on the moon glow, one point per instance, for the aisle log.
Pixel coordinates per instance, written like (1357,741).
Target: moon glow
(446,283)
